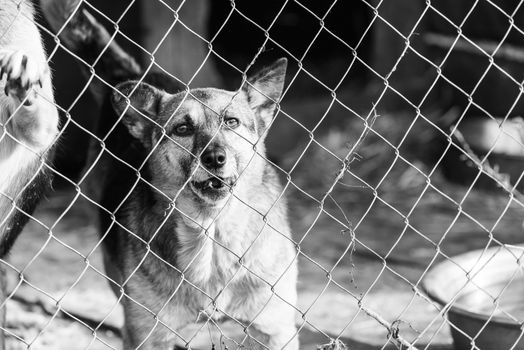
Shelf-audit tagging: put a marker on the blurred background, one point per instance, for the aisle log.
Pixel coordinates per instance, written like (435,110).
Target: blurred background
(336,47)
(399,141)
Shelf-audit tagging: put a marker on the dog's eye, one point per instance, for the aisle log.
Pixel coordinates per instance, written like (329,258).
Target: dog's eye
(183,130)
(231,122)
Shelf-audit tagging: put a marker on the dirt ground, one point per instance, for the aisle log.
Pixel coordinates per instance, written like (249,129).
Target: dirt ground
(363,255)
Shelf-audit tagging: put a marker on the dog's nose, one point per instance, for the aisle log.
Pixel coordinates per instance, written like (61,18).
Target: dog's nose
(213,158)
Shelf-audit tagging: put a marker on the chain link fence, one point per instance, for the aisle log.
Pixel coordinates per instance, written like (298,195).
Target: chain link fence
(369,170)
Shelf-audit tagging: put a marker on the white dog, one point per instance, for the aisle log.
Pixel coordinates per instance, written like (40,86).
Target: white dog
(28,125)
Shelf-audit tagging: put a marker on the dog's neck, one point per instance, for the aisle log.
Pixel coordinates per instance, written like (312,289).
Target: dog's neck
(211,240)
(206,218)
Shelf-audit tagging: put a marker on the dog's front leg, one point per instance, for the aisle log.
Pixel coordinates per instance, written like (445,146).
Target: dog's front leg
(277,321)
(274,317)
(31,118)
(147,334)
(144,331)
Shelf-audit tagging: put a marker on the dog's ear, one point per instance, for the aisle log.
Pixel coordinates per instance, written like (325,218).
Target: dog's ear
(264,89)
(142,107)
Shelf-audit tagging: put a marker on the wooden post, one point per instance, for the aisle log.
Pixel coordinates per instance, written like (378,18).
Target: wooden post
(182,52)
(388,45)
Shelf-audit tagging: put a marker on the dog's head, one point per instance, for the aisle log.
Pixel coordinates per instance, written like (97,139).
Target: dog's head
(207,142)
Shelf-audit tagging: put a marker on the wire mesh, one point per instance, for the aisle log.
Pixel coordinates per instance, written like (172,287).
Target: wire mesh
(336,196)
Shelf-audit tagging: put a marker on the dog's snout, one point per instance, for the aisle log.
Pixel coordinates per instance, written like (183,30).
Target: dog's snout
(214,157)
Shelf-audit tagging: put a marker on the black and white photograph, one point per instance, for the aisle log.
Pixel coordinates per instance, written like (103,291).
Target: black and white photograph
(262,175)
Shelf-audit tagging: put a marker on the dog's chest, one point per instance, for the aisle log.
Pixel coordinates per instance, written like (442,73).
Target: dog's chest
(213,258)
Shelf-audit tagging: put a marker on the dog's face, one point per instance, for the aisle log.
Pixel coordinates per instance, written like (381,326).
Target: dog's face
(207,142)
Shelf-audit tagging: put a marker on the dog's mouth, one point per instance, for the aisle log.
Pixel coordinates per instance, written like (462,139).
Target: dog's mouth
(215,187)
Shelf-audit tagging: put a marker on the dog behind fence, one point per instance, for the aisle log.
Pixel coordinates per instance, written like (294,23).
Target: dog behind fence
(192,212)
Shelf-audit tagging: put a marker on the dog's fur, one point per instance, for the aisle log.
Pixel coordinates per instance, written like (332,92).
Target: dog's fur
(201,226)
(28,125)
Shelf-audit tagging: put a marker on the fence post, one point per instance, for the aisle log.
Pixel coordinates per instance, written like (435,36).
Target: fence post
(182,52)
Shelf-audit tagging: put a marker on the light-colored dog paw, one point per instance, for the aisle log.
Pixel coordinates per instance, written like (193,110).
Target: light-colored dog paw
(24,75)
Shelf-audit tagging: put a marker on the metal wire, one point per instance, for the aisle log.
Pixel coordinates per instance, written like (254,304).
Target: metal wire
(369,129)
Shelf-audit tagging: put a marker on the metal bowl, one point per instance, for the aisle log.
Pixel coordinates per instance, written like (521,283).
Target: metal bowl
(483,294)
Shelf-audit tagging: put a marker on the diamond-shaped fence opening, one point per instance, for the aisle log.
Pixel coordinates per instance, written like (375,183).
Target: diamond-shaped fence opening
(388,170)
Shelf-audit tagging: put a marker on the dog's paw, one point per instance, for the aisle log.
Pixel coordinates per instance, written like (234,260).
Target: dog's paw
(24,75)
